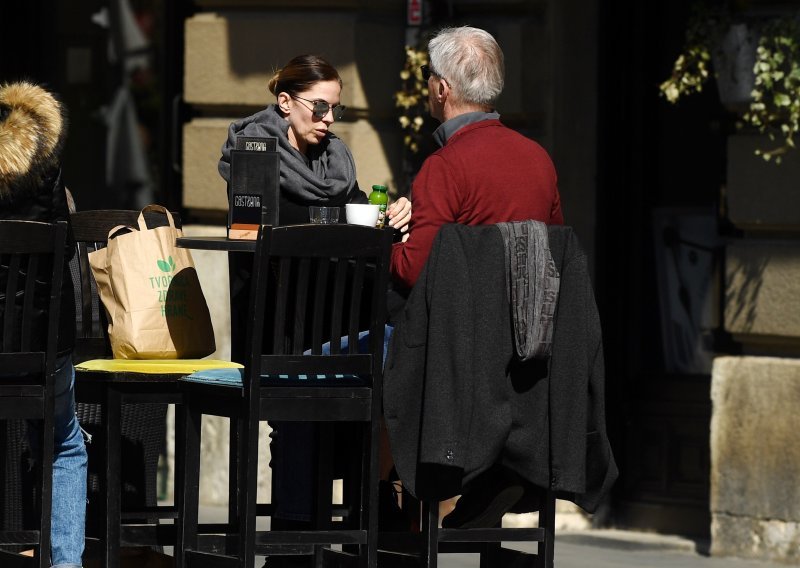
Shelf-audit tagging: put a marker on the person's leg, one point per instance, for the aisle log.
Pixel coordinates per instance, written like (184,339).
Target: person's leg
(292,448)
(69,473)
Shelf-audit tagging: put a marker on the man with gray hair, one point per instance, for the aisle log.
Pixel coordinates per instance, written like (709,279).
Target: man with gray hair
(484,172)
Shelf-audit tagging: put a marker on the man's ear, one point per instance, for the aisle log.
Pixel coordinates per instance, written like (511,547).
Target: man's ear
(443,91)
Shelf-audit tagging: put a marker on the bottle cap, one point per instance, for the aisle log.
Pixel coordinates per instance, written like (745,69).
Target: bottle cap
(379,188)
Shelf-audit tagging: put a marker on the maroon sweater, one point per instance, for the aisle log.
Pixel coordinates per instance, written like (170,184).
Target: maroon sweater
(485,174)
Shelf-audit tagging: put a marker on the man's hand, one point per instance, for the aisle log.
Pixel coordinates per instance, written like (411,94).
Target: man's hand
(399,214)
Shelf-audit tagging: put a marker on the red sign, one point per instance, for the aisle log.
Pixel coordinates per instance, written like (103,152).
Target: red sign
(414,12)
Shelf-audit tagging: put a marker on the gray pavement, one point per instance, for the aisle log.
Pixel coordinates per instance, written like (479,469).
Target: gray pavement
(623,549)
(598,549)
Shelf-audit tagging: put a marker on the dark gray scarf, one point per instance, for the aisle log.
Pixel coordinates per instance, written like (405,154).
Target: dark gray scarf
(328,170)
(532,281)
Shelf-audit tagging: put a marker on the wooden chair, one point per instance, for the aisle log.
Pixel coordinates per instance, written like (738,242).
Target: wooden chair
(31,269)
(472,262)
(126,407)
(323,275)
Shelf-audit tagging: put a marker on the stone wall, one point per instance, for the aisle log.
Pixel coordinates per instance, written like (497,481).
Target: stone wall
(755,499)
(755,458)
(230,57)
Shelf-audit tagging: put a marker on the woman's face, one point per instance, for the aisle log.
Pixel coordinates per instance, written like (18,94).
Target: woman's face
(304,127)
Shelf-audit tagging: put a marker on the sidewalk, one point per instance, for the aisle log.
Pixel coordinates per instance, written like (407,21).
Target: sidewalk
(623,549)
(597,549)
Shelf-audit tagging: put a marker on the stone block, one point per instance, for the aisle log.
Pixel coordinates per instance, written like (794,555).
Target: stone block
(763,539)
(203,187)
(755,456)
(762,195)
(379,56)
(230,56)
(377,150)
(762,284)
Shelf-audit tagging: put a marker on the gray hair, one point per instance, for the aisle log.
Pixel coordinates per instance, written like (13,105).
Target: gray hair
(471,62)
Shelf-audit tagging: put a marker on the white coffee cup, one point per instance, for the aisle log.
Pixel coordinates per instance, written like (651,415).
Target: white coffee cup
(362,214)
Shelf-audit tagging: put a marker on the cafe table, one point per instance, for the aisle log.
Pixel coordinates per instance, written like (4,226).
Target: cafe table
(216,242)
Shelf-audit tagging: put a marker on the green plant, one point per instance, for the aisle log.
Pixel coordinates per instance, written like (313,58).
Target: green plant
(412,98)
(775,109)
(691,69)
(774,105)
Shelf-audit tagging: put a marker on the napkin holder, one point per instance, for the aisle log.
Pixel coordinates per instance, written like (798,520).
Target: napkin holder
(254,187)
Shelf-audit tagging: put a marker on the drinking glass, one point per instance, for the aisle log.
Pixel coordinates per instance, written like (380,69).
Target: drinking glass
(323,215)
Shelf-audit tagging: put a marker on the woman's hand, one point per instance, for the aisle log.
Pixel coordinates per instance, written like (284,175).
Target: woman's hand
(399,214)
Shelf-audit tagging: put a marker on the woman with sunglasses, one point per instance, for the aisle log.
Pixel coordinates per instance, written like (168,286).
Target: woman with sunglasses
(317,168)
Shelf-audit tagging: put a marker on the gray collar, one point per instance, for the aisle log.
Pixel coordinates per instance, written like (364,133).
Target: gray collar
(446,129)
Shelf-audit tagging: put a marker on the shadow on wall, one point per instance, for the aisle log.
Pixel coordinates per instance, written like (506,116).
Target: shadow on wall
(743,284)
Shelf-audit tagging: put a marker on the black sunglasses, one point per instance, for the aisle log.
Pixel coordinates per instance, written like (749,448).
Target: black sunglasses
(426,72)
(322,108)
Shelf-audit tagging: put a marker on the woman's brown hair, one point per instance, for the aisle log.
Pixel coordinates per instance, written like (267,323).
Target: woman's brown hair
(301,73)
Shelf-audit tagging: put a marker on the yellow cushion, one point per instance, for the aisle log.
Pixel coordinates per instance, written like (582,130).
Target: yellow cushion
(155,366)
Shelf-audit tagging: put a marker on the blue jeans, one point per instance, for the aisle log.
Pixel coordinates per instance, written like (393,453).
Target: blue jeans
(69,472)
(292,449)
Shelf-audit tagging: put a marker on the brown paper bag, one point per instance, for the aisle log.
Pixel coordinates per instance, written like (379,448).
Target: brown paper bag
(149,287)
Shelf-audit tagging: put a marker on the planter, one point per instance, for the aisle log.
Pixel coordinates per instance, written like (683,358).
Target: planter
(760,195)
(733,60)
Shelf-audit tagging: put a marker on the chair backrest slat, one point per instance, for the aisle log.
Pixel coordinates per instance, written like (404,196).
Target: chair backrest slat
(282,295)
(301,304)
(10,312)
(31,273)
(357,291)
(337,305)
(320,289)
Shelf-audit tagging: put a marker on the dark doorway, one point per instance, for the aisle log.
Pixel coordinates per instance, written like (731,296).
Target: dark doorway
(653,158)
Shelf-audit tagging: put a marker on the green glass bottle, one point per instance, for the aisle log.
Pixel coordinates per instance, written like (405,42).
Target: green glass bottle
(380,198)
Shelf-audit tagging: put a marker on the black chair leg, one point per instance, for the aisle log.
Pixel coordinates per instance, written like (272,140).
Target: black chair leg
(547,521)
(111,485)
(430,532)
(490,555)
(236,479)
(188,500)
(46,494)
(248,466)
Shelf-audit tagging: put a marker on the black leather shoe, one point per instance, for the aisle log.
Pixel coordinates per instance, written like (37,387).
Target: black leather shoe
(487,499)
(390,516)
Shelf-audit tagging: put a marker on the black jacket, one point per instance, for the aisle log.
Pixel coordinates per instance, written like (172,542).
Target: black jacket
(455,399)
(31,188)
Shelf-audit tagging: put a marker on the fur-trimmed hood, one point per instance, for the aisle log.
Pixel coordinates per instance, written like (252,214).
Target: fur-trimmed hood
(32,132)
